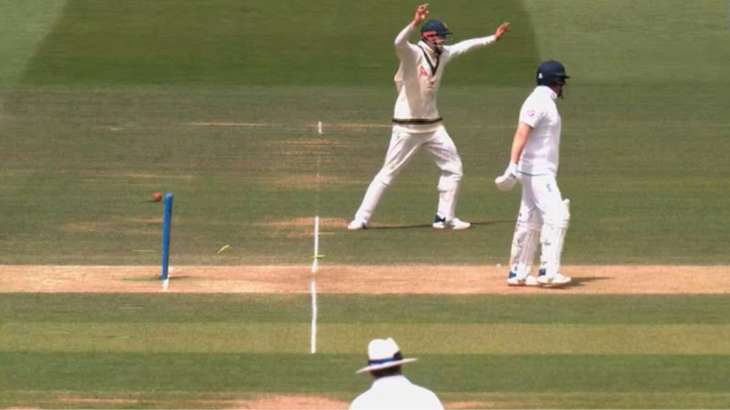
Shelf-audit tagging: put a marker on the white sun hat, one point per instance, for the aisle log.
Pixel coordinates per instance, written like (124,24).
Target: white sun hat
(384,353)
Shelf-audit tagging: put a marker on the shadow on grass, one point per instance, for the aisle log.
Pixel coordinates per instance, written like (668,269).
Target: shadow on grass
(423,226)
(574,283)
(578,282)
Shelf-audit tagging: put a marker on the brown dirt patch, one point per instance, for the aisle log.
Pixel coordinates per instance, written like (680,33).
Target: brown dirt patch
(298,402)
(406,279)
(308,222)
(304,227)
(258,402)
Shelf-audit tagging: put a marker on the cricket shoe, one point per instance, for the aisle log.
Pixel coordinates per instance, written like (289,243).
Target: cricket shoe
(552,280)
(455,224)
(514,280)
(356,225)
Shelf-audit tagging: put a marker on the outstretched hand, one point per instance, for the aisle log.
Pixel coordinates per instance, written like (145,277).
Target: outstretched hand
(421,14)
(503,28)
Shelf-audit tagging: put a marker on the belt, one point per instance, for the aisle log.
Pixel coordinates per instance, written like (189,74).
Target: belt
(417,121)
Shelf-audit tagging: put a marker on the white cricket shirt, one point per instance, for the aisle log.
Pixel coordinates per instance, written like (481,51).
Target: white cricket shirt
(419,76)
(541,154)
(396,393)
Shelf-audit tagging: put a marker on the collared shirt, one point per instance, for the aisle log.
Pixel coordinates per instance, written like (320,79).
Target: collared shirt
(419,76)
(396,393)
(541,154)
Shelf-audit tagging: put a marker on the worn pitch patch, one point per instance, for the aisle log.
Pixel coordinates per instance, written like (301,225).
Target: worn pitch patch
(362,279)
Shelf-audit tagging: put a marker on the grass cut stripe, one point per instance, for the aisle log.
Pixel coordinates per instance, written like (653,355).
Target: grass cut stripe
(342,338)
(23,25)
(277,308)
(173,42)
(120,372)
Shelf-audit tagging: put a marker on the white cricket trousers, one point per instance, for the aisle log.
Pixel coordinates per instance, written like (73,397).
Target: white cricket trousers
(543,215)
(403,145)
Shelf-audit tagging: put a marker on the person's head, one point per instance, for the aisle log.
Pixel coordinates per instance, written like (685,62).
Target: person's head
(384,358)
(552,74)
(435,33)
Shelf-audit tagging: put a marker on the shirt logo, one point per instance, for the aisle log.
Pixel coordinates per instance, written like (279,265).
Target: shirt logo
(422,72)
(531,113)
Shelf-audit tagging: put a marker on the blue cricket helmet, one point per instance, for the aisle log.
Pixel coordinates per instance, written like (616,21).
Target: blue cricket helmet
(434,28)
(551,72)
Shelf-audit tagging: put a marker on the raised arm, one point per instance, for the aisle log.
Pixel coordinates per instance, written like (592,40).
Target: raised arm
(401,40)
(468,45)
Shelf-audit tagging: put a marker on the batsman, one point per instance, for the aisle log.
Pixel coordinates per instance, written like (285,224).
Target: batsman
(416,120)
(543,215)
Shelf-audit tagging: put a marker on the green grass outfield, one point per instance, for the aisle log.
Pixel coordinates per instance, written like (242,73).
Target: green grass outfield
(503,351)
(104,102)
(99,106)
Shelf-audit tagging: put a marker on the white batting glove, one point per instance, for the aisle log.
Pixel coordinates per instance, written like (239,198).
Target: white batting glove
(506,181)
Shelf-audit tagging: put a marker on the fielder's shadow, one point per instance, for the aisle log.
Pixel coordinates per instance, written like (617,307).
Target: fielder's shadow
(422,226)
(579,282)
(583,281)
(496,222)
(576,282)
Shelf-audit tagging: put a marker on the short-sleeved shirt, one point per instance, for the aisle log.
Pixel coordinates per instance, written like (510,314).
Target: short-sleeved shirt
(541,155)
(396,393)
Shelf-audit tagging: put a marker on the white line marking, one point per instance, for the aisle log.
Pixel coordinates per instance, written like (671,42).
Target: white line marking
(358,125)
(315,255)
(315,260)
(233,124)
(313,337)
(319,125)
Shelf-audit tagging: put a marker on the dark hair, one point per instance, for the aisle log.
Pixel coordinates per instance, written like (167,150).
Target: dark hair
(388,371)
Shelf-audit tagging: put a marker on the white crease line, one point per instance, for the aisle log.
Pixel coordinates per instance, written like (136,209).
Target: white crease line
(234,124)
